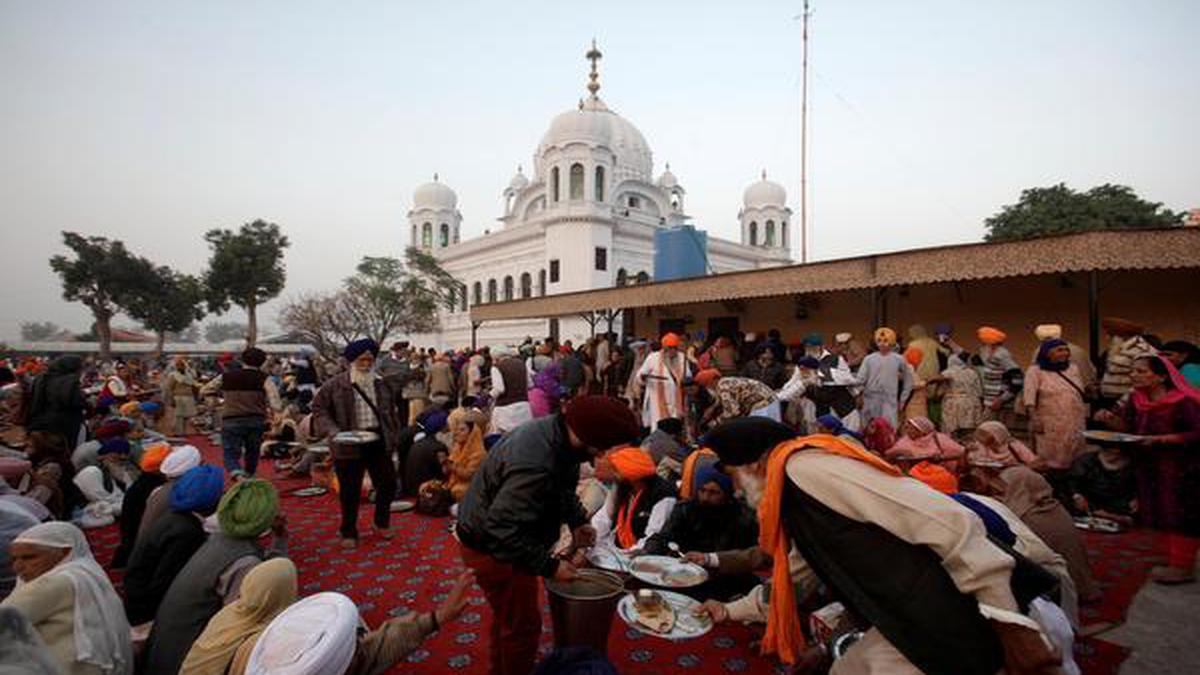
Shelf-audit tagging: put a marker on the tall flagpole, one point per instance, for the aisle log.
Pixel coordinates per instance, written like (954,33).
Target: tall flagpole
(804,139)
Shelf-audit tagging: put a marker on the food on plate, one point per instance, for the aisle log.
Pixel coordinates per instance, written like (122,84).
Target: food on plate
(682,577)
(654,612)
(647,567)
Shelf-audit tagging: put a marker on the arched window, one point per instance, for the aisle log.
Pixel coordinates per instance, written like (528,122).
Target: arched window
(462,298)
(445,235)
(753,233)
(554,183)
(642,277)
(491,290)
(783,233)
(427,235)
(477,294)
(599,183)
(526,285)
(456,233)
(541,282)
(452,299)
(769,234)
(622,277)
(576,182)
(414,240)
(508,288)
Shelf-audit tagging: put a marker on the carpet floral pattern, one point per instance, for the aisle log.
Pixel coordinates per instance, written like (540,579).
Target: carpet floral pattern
(415,570)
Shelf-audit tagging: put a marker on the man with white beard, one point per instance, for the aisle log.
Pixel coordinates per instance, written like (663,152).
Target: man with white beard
(939,595)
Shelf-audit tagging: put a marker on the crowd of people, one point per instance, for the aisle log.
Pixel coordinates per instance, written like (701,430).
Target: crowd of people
(868,475)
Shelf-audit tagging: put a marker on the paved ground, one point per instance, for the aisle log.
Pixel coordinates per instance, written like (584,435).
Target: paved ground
(1163,630)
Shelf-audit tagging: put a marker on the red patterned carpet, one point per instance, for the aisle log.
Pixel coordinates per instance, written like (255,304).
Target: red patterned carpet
(413,571)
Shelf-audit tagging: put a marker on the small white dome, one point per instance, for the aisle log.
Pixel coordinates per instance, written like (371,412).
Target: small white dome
(667,180)
(519,182)
(594,124)
(434,195)
(764,193)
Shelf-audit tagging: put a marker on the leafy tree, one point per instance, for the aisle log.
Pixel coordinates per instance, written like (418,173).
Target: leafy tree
(103,276)
(385,297)
(167,301)
(39,331)
(245,269)
(1060,210)
(220,331)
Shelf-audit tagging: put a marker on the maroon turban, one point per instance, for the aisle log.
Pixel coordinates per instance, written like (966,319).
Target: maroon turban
(602,422)
(112,429)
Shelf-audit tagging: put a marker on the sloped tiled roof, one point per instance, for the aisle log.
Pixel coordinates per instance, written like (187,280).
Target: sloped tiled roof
(1102,250)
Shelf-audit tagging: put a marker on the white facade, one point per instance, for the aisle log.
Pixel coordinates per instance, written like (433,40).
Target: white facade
(585,219)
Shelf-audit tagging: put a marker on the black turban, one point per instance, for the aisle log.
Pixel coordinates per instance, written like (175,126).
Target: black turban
(743,440)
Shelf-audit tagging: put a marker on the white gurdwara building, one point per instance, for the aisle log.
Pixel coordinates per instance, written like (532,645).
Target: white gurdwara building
(585,219)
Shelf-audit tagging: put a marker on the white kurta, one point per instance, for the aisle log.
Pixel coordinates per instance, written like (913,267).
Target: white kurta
(662,382)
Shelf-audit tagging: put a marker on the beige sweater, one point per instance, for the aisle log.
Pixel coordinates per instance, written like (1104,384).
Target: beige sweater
(49,604)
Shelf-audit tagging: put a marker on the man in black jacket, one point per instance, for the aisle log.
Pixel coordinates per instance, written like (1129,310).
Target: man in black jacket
(518,501)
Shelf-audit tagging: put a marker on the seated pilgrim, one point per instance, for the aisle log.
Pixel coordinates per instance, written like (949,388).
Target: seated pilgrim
(424,459)
(267,630)
(104,485)
(667,446)
(69,600)
(920,441)
(1103,483)
(878,540)
(994,444)
(133,506)
(467,426)
(14,519)
(167,545)
(712,520)
(212,577)
(638,505)
(179,461)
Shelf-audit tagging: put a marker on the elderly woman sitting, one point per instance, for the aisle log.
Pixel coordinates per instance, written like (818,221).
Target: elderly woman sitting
(922,442)
(994,445)
(466,449)
(70,602)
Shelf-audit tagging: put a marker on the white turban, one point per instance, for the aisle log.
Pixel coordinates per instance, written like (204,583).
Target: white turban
(842,338)
(315,636)
(101,632)
(1048,331)
(182,459)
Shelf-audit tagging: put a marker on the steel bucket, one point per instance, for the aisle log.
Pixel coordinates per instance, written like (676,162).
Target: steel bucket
(582,610)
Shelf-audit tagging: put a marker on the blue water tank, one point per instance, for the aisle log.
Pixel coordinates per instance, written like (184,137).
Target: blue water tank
(680,252)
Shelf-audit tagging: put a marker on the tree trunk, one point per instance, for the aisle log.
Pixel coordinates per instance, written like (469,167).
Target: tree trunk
(158,347)
(251,325)
(104,332)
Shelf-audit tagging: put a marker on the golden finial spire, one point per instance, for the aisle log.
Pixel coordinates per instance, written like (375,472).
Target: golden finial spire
(594,56)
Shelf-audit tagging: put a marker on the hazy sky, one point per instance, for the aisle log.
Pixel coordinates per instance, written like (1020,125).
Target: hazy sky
(155,121)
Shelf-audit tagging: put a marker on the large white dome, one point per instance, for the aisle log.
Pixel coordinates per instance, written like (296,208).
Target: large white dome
(434,195)
(594,124)
(764,193)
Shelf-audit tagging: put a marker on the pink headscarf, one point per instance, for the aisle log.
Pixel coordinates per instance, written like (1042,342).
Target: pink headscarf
(1182,389)
(931,444)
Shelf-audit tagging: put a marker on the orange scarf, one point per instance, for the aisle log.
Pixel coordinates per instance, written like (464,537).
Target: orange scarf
(686,487)
(784,635)
(625,536)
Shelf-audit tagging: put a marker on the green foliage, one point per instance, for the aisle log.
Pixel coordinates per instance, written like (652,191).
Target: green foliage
(103,275)
(1060,210)
(385,297)
(39,331)
(245,269)
(167,301)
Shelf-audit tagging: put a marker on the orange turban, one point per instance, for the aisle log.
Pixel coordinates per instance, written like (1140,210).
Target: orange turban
(935,476)
(885,336)
(990,336)
(707,377)
(153,456)
(1121,327)
(913,356)
(670,340)
(632,464)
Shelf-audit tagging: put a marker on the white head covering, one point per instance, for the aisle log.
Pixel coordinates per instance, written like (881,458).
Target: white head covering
(315,636)
(1047,331)
(842,338)
(101,630)
(182,459)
